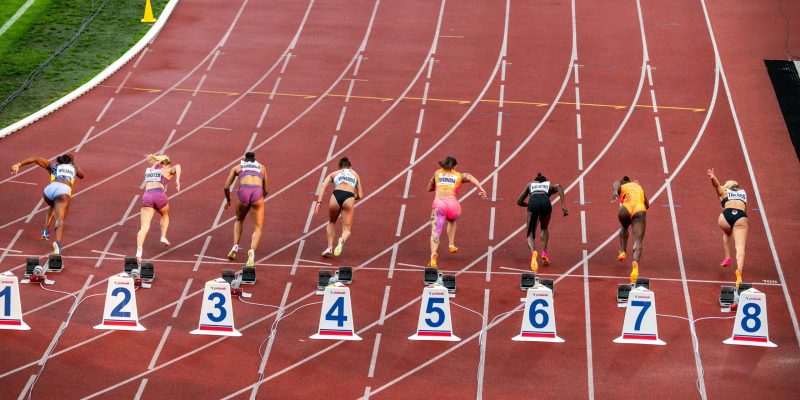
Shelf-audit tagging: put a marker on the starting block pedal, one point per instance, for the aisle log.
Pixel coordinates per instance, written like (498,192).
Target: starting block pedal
(35,273)
(248,275)
(431,276)
(642,282)
(727,296)
(345,275)
(130,264)
(623,292)
(323,280)
(228,275)
(449,283)
(528,280)
(54,263)
(30,264)
(148,271)
(548,283)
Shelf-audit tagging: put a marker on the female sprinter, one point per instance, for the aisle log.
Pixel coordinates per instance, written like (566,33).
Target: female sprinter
(154,198)
(633,205)
(58,193)
(346,190)
(732,221)
(539,212)
(445,182)
(252,191)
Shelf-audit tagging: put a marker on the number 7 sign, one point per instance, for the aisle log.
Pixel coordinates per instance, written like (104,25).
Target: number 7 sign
(640,324)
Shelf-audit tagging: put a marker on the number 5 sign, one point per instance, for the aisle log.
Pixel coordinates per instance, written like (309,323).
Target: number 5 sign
(640,324)
(216,314)
(336,317)
(750,328)
(434,316)
(120,311)
(10,306)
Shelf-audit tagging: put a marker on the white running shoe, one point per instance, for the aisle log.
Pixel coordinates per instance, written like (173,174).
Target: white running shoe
(327,252)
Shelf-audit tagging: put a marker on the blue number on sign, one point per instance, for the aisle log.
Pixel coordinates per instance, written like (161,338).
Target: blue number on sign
(220,298)
(6,292)
(336,313)
(431,308)
(645,306)
(751,312)
(126,297)
(535,310)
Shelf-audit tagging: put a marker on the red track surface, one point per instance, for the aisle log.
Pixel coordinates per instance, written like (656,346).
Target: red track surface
(225,58)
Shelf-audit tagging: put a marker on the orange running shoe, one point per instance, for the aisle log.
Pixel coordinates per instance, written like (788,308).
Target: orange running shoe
(738,278)
(434,257)
(452,249)
(545,259)
(634,272)
(622,255)
(534,262)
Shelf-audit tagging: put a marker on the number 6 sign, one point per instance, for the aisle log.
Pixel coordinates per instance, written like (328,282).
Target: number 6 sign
(750,328)
(120,311)
(434,316)
(539,321)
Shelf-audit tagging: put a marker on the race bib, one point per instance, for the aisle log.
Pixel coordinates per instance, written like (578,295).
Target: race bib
(346,177)
(737,195)
(152,175)
(540,187)
(447,180)
(250,166)
(65,171)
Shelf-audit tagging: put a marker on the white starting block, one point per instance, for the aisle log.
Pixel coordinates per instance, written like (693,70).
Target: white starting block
(434,316)
(336,316)
(216,313)
(539,320)
(10,305)
(120,311)
(640,326)
(751,328)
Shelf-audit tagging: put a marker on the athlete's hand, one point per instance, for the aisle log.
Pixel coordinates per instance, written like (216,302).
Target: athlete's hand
(177,186)
(710,173)
(227,204)
(15,169)
(482,193)
(317,208)
(564,209)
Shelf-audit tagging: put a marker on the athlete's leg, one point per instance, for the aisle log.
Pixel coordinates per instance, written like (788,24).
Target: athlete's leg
(146,215)
(437,224)
(333,215)
(545,234)
(241,213)
(727,240)
(638,225)
(625,221)
(164,212)
(740,229)
(61,208)
(531,229)
(348,212)
(258,222)
(451,233)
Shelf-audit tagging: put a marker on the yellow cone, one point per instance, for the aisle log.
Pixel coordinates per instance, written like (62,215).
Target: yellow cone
(148,12)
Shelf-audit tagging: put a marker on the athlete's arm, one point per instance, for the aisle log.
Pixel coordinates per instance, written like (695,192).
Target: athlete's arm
(715,182)
(616,187)
(321,191)
(646,203)
(360,193)
(176,170)
(31,160)
(432,183)
(228,183)
(524,195)
(561,194)
(470,178)
(264,182)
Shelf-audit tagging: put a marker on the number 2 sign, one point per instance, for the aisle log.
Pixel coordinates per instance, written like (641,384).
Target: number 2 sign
(120,311)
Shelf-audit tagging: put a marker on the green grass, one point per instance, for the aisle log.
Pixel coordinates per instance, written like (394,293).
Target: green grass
(44,28)
(8,8)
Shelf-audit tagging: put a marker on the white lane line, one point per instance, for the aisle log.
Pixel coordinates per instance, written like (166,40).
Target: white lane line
(482,358)
(199,85)
(122,84)
(219,213)
(366,393)
(502,95)
(489,252)
(430,66)
(286,62)
(297,256)
(21,10)
(580,157)
(310,216)
(128,210)
(341,118)
(35,210)
(497,152)
(392,262)
(214,128)
(419,121)
(658,130)
(23,183)
(664,160)
(108,253)
(425,93)
(183,296)
(503,70)
(358,65)
(494,187)
(384,305)
(103,112)
(577,99)
(183,114)
(587,310)
(649,75)
(27,388)
(578,122)
(491,223)
(364,42)
(349,91)
(10,245)
(581,192)
(139,391)
(10,250)
(316,262)
(141,56)
(575,67)
(262,117)
(275,88)
(653,98)
(332,146)
(105,250)
(271,341)
(499,123)
(408,184)
(374,358)
(202,254)
(213,60)
(205,257)
(159,347)
(414,152)
(166,143)
(583,226)
(321,178)
(400,220)
(412,265)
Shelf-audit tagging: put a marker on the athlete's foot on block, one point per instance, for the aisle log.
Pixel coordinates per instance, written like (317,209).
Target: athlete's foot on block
(738,278)
(251,258)
(634,272)
(452,249)
(434,258)
(338,250)
(45,234)
(534,262)
(138,255)
(725,263)
(165,242)
(56,247)
(621,256)
(232,253)
(327,252)
(545,259)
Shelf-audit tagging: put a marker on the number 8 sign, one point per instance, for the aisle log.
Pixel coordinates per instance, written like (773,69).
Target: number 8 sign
(750,328)
(120,311)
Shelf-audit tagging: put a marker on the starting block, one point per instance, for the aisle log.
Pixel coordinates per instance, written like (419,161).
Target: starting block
(148,271)
(216,313)
(336,316)
(120,311)
(345,275)
(434,316)
(54,263)
(539,322)
(431,276)
(324,277)
(248,275)
(750,327)
(235,281)
(729,296)
(143,275)
(35,273)
(10,305)
(528,281)
(449,283)
(623,291)
(130,264)
(640,325)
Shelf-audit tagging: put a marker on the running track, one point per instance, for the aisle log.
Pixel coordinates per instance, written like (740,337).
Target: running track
(583,92)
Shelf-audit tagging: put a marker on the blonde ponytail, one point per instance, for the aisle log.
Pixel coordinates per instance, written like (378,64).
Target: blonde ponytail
(731,185)
(162,159)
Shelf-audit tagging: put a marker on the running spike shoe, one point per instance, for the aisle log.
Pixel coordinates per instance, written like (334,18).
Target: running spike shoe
(534,261)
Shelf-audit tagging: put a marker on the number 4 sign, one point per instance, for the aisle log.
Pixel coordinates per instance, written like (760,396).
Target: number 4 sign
(336,317)
(120,311)
(750,328)
(640,324)
(10,306)
(434,316)
(216,314)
